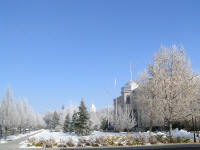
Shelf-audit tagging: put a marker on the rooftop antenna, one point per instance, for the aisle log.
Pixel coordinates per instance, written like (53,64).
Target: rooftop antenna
(131,72)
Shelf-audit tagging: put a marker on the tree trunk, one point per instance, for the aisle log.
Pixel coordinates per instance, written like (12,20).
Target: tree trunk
(20,130)
(150,125)
(170,130)
(194,130)
(1,135)
(6,132)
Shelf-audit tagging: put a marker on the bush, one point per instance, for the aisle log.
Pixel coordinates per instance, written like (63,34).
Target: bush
(153,140)
(61,143)
(70,143)
(40,143)
(32,141)
(178,140)
(182,140)
(161,139)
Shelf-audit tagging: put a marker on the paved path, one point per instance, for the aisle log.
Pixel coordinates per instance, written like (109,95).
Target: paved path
(13,145)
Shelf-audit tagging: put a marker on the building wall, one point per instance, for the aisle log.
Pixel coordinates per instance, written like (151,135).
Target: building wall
(129,99)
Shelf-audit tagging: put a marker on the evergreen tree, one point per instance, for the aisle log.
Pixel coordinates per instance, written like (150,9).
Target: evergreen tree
(55,120)
(83,123)
(67,124)
(74,122)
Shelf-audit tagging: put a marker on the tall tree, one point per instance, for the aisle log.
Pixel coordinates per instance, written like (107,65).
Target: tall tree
(55,120)
(82,126)
(74,123)
(67,124)
(21,115)
(48,119)
(176,83)
(148,100)
(8,114)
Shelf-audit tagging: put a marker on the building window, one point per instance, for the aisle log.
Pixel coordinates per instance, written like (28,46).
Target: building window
(128,100)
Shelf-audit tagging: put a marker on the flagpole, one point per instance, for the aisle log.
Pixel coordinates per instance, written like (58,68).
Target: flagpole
(115,97)
(107,93)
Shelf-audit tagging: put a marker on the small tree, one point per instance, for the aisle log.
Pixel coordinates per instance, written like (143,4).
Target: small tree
(67,124)
(82,123)
(125,120)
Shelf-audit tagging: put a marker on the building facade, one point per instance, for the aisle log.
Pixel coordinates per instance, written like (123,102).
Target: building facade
(129,99)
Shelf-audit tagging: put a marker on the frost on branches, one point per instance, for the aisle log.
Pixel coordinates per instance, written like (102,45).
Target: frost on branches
(125,120)
(17,115)
(176,84)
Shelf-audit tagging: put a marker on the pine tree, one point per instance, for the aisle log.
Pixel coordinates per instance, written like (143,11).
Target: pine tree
(74,122)
(83,123)
(55,120)
(67,124)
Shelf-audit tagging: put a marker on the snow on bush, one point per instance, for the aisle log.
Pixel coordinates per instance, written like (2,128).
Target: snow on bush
(97,139)
(182,133)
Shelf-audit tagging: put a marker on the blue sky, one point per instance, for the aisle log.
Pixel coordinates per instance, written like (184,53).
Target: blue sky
(53,52)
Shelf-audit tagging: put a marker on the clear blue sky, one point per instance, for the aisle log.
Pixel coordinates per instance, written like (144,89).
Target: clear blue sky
(52,52)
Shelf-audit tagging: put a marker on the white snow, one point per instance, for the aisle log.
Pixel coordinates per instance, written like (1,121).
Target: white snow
(182,133)
(3,141)
(15,137)
(60,136)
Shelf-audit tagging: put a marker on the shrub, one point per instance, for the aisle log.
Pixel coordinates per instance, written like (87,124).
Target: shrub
(32,140)
(153,140)
(61,143)
(161,139)
(70,143)
(182,140)
(40,143)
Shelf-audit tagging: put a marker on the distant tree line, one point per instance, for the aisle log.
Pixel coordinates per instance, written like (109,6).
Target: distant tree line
(17,115)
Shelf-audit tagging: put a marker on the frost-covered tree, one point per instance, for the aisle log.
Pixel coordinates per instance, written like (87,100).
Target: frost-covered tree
(176,83)
(147,92)
(40,121)
(8,114)
(48,119)
(95,120)
(125,120)
(66,111)
(106,114)
(21,115)
(18,115)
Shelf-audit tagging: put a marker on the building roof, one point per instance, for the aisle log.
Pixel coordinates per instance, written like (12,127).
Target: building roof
(130,86)
(92,108)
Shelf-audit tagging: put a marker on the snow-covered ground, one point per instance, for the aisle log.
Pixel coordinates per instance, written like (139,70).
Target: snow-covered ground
(59,137)
(14,137)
